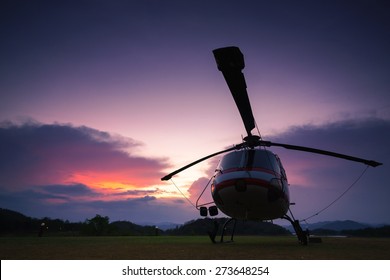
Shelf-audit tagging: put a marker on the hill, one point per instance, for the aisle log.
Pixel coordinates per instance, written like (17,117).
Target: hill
(334,226)
(11,221)
(348,228)
(15,223)
(339,225)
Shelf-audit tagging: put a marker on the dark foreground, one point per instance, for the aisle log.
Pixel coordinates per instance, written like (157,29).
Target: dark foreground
(190,247)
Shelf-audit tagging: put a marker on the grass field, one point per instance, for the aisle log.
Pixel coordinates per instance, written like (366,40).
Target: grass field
(190,247)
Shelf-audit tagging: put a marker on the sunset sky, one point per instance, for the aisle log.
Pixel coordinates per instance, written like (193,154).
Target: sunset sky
(100,99)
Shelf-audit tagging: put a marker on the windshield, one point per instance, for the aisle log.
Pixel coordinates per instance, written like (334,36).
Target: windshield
(254,158)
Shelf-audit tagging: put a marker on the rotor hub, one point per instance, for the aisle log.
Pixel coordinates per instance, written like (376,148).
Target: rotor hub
(252,140)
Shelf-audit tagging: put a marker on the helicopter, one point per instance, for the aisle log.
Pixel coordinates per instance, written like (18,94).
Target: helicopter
(250,182)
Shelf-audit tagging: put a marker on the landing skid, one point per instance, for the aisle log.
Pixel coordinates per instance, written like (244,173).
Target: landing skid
(303,236)
(214,232)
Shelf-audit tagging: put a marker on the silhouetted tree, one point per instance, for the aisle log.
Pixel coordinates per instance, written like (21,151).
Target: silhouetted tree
(98,225)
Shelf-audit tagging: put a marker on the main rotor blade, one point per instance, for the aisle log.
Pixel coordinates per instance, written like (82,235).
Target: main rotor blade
(322,152)
(170,175)
(230,62)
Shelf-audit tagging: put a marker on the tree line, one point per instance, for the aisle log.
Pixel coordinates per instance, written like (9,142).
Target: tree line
(13,223)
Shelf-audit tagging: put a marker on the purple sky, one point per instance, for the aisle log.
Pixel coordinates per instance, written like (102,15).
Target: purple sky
(99,99)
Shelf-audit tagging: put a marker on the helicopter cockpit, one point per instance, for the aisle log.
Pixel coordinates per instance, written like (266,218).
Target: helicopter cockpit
(251,159)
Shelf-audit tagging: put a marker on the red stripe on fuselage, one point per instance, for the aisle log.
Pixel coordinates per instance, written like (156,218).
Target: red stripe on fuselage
(272,172)
(248,181)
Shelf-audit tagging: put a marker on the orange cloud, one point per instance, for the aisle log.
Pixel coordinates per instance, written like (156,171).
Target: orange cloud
(37,154)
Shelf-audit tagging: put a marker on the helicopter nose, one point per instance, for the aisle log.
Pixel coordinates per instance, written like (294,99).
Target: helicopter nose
(275,190)
(240,185)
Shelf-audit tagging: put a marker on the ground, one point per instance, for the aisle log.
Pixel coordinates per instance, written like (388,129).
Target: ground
(191,247)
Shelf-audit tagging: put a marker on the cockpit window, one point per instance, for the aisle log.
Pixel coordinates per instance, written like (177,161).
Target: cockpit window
(265,159)
(255,158)
(232,160)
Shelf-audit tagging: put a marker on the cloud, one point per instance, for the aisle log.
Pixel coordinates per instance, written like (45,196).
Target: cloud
(366,138)
(62,171)
(68,190)
(348,136)
(42,154)
(198,186)
(316,180)
(138,193)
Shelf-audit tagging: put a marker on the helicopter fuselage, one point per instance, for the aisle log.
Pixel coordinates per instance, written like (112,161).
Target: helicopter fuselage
(251,184)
